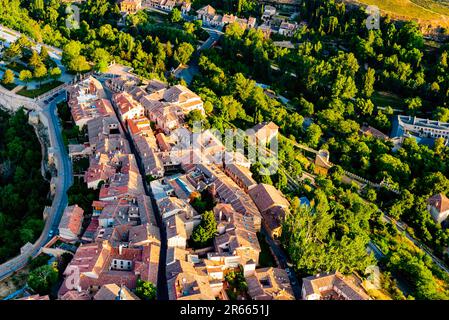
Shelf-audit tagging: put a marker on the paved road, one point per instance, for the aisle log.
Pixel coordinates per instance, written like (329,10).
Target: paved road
(214,35)
(64,181)
(192,69)
(283,262)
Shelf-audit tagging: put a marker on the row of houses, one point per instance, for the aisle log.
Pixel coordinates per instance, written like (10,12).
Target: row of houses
(132,6)
(240,204)
(240,201)
(210,17)
(121,243)
(271,23)
(150,112)
(201,275)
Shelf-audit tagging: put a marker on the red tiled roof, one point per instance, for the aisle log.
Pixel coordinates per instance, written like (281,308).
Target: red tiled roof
(266,197)
(72,219)
(440,202)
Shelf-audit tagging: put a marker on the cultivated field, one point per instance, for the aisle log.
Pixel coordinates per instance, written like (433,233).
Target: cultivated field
(434,12)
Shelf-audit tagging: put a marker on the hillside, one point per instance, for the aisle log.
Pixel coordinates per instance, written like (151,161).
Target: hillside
(431,14)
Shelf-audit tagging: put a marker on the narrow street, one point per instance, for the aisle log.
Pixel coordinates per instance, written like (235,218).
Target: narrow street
(162,290)
(281,256)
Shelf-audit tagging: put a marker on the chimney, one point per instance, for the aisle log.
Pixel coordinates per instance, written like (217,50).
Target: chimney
(120,249)
(220,214)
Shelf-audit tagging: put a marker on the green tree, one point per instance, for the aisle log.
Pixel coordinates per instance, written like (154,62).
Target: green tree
(43,278)
(195,117)
(413,104)
(55,73)
(313,135)
(78,64)
(368,82)
(237,281)
(40,72)
(145,290)
(231,108)
(175,15)
(25,76)
(72,58)
(189,27)
(13,51)
(44,54)
(205,232)
(183,53)
(8,77)
(35,60)
(101,58)
(442,114)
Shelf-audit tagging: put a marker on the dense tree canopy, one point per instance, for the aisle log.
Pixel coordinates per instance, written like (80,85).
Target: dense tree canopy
(20,178)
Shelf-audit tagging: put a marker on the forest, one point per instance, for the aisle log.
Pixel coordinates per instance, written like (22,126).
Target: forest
(23,190)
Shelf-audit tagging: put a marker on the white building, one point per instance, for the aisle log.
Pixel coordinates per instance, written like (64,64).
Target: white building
(423,130)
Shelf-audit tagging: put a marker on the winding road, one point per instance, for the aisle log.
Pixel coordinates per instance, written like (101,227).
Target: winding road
(64,181)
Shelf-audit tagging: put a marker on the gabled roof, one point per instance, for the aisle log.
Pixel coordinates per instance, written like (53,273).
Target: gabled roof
(333,281)
(75,295)
(175,227)
(113,292)
(72,219)
(241,173)
(266,196)
(266,126)
(207,10)
(439,202)
(270,284)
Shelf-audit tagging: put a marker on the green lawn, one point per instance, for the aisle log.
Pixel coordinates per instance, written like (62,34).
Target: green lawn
(384,99)
(39,91)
